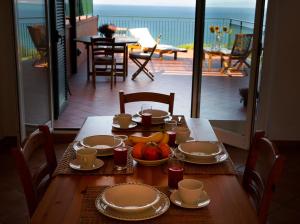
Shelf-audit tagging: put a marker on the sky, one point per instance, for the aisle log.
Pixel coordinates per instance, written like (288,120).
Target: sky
(184,3)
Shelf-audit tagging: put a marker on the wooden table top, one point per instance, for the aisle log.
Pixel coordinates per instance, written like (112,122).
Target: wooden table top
(63,199)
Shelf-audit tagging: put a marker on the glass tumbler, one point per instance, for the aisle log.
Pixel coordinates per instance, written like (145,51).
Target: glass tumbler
(175,172)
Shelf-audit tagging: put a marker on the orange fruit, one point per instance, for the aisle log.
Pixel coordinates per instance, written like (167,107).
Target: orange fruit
(137,151)
(165,150)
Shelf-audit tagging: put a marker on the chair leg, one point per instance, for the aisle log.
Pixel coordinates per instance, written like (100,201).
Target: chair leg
(142,67)
(175,55)
(94,79)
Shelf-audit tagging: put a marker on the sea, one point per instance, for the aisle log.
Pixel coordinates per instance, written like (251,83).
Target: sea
(175,25)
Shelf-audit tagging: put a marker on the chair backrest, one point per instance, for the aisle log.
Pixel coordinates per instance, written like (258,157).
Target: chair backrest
(34,183)
(38,36)
(242,45)
(146,96)
(143,36)
(103,47)
(262,172)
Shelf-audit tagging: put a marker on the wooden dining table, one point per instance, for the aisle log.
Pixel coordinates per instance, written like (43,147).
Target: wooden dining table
(122,41)
(64,199)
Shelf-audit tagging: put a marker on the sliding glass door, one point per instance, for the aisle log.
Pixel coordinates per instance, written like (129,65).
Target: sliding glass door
(230,34)
(33,64)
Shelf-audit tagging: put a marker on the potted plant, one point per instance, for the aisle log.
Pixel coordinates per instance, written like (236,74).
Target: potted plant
(108,30)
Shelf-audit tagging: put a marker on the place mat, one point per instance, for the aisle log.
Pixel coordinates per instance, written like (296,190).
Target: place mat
(90,215)
(63,167)
(224,168)
(153,128)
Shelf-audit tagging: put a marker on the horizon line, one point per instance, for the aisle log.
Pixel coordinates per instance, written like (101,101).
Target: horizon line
(189,6)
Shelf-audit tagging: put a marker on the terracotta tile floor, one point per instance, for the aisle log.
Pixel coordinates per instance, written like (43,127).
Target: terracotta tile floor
(284,209)
(219,97)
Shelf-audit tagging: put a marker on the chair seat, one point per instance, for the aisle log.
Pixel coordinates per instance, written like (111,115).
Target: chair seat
(139,55)
(103,58)
(225,51)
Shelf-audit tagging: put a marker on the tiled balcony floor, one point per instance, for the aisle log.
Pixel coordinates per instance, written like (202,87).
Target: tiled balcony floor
(219,97)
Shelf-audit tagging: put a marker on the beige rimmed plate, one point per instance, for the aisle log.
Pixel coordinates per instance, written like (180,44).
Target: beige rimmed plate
(100,153)
(138,119)
(131,125)
(204,200)
(221,157)
(151,162)
(130,197)
(74,164)
(200,149)
(101,142)
(156,114)
(156,210)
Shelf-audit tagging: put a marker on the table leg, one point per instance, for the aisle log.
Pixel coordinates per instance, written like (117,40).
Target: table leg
(88,61)
(209,62)
(126,61)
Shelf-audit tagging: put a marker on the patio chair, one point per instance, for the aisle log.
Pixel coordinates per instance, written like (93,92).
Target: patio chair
(39,39)
(262,173)
(137,58)
(35,182)
(103,61)
(146,41)
(146,96)
(240,51)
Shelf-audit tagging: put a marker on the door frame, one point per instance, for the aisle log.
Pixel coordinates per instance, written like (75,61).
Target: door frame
(226,136)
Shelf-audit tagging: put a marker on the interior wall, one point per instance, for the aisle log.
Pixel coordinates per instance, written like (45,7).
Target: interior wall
(279,108)
(9,116)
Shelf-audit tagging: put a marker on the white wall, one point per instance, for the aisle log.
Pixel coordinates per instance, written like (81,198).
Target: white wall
(279,113)
(9,119)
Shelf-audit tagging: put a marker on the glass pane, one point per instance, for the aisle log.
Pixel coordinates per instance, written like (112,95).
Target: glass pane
(32,46)
(228,37)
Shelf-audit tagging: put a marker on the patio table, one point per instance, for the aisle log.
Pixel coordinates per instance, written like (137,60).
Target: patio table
(215,52)
(70,198)
(119,41)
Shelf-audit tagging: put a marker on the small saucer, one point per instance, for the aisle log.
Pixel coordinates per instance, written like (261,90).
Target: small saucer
(203,201)
(74,164)
(131,125)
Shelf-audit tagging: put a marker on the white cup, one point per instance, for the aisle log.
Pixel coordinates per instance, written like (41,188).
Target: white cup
(123,120)
(190,190)
(182,134)
(86,157)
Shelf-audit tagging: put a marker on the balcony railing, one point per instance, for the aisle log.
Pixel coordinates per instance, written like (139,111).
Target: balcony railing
(175,31)
(180,31)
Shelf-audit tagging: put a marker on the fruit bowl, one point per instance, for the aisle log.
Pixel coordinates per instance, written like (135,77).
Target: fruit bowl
(151,162)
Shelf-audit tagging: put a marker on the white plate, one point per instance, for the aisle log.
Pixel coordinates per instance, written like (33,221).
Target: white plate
(109,152)
(130,197)
(101,142)
(156,114)
(131,125)
(200,149)
(221,157)
(156,210)
(136,118)
(74,164)
(151,162)
(203,201)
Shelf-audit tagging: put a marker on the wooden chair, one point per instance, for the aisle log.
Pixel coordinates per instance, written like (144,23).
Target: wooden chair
(146,96)
(103,61)
(39,38)
(262,172)
(240,51)
(35,184)
(137,57)
(122,63)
